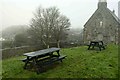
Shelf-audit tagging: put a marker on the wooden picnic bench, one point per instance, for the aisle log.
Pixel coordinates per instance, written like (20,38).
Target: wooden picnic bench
(98,44)
(41,58)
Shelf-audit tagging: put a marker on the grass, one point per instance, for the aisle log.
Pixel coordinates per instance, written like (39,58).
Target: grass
(79,63)
(0,69)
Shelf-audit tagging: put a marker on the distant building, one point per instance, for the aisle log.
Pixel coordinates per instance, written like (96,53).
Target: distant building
(102,25)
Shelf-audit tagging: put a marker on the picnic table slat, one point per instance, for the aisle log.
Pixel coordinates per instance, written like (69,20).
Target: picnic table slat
(41,52)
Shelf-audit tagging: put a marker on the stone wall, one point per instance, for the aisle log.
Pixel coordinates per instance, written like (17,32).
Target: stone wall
(18,51)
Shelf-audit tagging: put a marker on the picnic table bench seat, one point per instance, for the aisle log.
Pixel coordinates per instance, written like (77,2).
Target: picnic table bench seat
(102,46)
(25,59)
(98,44)
(50,61)
(30,58)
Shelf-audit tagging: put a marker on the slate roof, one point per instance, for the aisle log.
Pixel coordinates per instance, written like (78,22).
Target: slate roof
(114,16)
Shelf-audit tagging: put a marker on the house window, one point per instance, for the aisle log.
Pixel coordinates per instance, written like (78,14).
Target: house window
(101,23)
(88,36)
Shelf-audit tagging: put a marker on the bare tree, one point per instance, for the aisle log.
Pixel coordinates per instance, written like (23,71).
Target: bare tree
(49,24)
(62,24)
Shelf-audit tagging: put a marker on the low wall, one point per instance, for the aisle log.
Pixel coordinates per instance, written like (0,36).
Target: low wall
(18,51)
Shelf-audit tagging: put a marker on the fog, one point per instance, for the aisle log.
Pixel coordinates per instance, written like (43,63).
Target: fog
(20,12)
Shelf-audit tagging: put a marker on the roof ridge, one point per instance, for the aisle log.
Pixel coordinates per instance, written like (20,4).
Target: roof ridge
(114,15)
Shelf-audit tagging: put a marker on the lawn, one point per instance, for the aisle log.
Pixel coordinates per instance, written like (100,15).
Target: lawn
(79,63)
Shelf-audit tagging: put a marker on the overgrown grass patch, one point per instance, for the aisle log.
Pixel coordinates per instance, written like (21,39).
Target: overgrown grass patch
(79,63)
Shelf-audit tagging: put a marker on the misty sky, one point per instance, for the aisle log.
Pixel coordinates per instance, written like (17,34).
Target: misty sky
(20,12)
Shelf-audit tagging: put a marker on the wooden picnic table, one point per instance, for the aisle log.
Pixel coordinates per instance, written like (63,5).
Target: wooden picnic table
(42,57)
(98,44)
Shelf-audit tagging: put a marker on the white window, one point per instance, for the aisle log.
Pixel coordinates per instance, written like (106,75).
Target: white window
(101,23)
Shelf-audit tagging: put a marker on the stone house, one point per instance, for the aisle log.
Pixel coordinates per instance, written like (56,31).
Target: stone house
(102,25)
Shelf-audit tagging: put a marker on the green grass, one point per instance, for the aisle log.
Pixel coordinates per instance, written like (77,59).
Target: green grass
(0,69)
(79,63)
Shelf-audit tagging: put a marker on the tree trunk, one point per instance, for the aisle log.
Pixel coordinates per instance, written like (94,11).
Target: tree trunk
(58,44)
(48,46)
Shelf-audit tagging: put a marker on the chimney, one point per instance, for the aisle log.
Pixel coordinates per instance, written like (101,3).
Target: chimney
(102,4)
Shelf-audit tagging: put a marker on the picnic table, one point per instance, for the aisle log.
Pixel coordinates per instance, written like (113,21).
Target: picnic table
(41,58)
(98,44)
